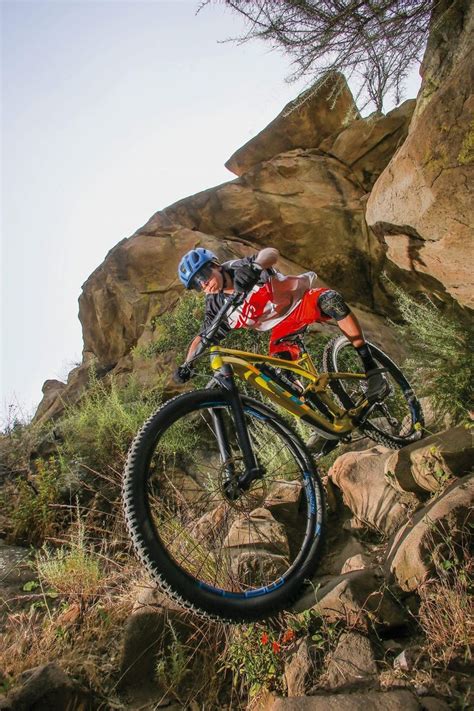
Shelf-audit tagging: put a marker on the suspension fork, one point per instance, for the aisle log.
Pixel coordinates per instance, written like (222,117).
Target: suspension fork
(225,378)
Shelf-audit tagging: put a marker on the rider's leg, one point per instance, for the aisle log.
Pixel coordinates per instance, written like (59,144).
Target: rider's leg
(332,304)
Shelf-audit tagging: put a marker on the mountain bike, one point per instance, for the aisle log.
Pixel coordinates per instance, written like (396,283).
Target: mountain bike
(222,496)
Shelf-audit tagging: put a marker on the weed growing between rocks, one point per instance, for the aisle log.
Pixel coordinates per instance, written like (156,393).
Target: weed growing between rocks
(187,666)
(73,570)
(254,656)
(257,655)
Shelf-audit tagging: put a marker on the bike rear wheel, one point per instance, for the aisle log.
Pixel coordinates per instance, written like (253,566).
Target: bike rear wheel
(238,557)
(395,422)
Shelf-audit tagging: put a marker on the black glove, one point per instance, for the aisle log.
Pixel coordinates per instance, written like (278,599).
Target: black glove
(246,277)
(183,374)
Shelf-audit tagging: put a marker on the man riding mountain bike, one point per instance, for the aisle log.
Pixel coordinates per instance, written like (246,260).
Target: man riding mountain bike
(273,302)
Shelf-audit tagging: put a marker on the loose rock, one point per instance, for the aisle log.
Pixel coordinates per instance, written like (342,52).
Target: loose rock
(352,662)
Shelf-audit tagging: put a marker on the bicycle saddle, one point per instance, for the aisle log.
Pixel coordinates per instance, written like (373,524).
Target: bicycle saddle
(295,336)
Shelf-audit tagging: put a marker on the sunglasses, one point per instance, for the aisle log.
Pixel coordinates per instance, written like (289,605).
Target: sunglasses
(202,276)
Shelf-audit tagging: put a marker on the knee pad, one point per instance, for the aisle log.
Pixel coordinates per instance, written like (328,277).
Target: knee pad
(333,305)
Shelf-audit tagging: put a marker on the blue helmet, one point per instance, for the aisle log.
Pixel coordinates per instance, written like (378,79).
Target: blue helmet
(192,262)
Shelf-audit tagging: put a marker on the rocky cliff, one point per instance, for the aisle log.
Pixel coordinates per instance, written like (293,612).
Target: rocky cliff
(347,197)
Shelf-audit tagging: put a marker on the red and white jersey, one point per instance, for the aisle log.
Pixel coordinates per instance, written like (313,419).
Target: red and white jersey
(270,303)
(271,300)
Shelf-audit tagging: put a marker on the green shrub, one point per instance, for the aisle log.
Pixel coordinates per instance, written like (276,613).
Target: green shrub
(17,441)
(34,513)
(174,664)
(440,358)
(98,430)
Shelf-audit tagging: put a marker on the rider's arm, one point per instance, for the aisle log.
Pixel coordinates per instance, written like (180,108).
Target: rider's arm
(193,348)
(185,371)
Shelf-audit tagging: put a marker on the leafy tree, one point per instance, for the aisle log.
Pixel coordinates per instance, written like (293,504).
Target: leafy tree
(375,42)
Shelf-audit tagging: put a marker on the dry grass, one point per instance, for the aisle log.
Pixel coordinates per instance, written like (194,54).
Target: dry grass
(84,636)
(447,617)
(446,613)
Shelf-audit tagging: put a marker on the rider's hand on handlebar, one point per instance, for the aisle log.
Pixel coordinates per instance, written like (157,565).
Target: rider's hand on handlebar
(246,277)
(183,374)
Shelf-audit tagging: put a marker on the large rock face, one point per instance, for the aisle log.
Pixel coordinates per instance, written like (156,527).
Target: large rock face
(303,123)
(422,202)
(367,145)
(367,492)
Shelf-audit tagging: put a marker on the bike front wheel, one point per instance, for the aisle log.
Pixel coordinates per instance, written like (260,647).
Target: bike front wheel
(224,553)
(394,422)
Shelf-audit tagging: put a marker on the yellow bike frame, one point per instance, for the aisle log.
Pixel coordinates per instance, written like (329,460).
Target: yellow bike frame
(246,367)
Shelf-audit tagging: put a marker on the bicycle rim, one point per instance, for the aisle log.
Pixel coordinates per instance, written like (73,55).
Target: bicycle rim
(237,554)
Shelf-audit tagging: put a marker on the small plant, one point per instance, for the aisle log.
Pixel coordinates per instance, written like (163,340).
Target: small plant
(436,467)
(322,634)
(73,570)
(440,354)
(254,658)
(174,664)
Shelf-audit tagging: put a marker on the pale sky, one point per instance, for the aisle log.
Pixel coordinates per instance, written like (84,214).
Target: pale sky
(110,111)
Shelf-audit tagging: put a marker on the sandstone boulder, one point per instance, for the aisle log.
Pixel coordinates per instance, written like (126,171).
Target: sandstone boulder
(146,633)
(356,562)
(303,123)
(428,464)
(439,525)
(422,202)
(368,144)
(207,529)
(367,492)
(258,530)
(56,395)
(51,401)
(339,550)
